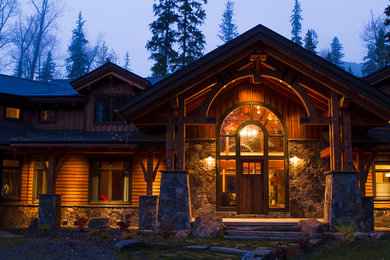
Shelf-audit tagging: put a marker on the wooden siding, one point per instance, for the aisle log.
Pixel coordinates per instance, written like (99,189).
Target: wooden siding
(68,118)
(73,181)
(244,92)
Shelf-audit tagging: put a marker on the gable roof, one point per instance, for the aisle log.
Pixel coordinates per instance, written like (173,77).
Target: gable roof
(308,64)
(29,88)
(378,76)
(110,69)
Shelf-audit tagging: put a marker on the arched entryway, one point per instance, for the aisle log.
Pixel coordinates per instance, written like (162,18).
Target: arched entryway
(252,168)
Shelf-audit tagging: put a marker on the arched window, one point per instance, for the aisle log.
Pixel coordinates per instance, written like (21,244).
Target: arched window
(252,172)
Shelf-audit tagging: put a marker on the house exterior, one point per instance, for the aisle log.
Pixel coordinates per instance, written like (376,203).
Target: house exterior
(260,127)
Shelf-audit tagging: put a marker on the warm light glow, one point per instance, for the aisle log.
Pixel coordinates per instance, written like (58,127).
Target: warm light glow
(294,161)
(209,163)
(387,175)
(269,117)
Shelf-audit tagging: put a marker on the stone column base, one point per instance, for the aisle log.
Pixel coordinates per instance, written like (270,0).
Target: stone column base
(147,212)
(368,213)
(173,203)
(342,199)
(49,211)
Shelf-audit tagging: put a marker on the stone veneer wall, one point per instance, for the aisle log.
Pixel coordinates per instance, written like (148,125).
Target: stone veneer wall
(307,179)
(18,216)
(382,218)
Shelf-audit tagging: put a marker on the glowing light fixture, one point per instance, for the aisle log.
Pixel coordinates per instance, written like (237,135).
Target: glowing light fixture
(387,175)
(209,163)
(294,161)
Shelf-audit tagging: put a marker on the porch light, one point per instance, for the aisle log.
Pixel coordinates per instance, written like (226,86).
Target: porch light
(209,163)
(294,161)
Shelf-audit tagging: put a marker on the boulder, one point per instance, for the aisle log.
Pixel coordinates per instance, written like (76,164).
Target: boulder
(376,235)
(362,235)
(126,244)
(207,227)
(98,223)
(183,233)
(309,227)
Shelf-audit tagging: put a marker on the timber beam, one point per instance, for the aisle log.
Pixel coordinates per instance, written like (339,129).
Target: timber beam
(317,120)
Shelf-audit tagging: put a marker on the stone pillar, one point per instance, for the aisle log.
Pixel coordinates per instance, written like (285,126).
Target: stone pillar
(174,204)
(368,213)
(147,212)
(342,199)
(49,210)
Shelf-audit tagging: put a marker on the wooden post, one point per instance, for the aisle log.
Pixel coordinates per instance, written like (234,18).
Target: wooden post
(347,141)
(364,169)
(149,170)
(334,133)
(181,135)
(169,141)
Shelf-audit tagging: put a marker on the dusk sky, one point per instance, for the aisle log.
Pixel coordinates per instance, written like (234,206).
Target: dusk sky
(125,23)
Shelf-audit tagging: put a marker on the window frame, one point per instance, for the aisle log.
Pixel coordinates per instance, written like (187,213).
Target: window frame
(40,120)
(37,167)
(111,99)
(19,170)
(110,201)
(374,171)
(11,118)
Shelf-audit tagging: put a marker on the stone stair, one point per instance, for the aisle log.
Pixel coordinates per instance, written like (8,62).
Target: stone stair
(282,231)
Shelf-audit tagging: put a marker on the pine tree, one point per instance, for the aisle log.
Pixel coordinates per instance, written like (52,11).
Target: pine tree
(228,28)
(164,37)
(311,41)
(191,40)
(77,63)
(336,52)
(126,65)
(295,20)
(46,73)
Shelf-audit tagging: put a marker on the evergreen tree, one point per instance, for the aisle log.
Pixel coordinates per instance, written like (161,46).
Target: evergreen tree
(164,37)
(126,65)
(311,41)
(46,73)
(295,20)
(191,40)
(77,63)
(336,52)
(374,38)
(228,30)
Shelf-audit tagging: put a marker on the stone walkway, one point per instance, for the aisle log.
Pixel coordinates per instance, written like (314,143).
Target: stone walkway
(4,234)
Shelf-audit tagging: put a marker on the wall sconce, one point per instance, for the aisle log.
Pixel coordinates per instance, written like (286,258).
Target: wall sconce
(209,163)
(294,161)
(387,175)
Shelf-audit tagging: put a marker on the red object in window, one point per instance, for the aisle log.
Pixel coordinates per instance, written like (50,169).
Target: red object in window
(103,197)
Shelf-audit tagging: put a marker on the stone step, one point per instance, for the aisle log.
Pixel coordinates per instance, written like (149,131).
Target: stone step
(262,238)
(264,233)
(265,228)
(253,223)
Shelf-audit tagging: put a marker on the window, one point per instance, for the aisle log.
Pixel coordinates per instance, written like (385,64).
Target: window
(104,109)
(110,181)
(11,179)
(12,113)
(47,116)
(382,180)
(40,182)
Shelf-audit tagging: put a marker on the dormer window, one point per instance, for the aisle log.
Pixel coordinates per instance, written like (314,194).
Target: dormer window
(104,109)
(12,113)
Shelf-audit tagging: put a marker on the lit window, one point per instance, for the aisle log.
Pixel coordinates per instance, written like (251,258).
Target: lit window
(10,188)
(382,180)
(12,113)
(104,109)
(110,181)
(40,182)
(47,116)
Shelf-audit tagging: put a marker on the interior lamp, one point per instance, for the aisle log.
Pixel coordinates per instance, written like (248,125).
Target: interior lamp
(294,161)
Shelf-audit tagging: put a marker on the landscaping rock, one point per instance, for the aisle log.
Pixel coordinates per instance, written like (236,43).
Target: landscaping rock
(98,223)
(376,235)
(257,255)
(309,227)
(126,244)
(229,250)
(196,247)
(207,227)
(362,235)
(183,233)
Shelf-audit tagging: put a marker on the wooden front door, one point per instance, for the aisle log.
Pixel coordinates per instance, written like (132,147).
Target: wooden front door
(251,187)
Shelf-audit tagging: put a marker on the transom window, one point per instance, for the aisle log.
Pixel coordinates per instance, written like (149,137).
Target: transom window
(110,181)
(104,109)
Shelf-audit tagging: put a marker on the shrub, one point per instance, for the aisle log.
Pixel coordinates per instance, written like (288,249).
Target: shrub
(285,252)
(347,231)
(80,222)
